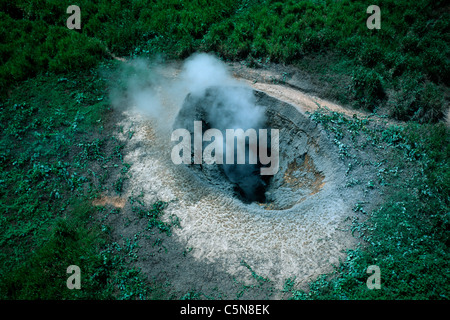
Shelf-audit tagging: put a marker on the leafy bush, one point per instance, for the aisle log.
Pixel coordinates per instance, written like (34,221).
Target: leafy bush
(367,88)
(417,100)
(76,52)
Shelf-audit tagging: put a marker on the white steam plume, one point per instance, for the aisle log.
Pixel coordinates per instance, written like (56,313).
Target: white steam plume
(153,89)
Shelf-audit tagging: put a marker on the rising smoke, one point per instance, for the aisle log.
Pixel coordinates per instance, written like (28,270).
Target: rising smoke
(234,106)
(152,89)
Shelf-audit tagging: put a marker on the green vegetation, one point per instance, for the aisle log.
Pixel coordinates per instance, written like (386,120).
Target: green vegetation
(55,159)
(401,68)
(407,236)
(58,151)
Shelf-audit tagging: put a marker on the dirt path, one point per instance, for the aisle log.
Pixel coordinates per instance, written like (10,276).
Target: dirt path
(273,82)
(297,91)
(304,102)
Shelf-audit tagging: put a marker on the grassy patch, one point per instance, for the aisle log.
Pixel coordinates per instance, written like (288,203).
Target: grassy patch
(55,159)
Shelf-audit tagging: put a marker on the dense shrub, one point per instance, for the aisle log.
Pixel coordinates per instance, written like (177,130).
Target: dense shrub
(417,99)
(76,52)
(367,88)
